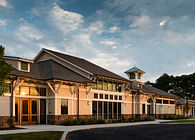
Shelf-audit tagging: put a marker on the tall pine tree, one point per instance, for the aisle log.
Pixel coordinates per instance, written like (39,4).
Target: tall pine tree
(5,69)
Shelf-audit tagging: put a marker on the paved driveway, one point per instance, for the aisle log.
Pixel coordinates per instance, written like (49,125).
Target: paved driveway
(139,132)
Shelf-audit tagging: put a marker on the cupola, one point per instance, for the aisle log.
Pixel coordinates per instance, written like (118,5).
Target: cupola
(135,74)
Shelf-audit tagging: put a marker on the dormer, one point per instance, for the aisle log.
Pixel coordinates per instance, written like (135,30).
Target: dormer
(135,74)
(24,66)
(20,64)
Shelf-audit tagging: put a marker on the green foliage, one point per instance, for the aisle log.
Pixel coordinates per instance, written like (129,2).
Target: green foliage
(101,121)
(68,122)
(5,69)
(92,121)
(183,86)
(76,122)
(10,122)
(149,118)
(84,122)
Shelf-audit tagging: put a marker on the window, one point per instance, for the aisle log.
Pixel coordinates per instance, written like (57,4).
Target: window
(106,96)
(114,87)
(120,97)
(139,76)
(24,90)
(110,86)
(101,96)
(17,91)
(95,95)
(34,91)
(165,101)
(99,84)
(116,97)
(64,106)
(94,108)
(172,102)
(111,97)
(105,85)
(119,87)
(143,108)
(42,91)
(159,101)
(132,75)
(24,66)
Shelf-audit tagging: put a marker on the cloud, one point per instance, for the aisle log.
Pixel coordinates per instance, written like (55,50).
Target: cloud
(107,42)
(65,21)
(113,29)
(3,3)
(111,62)
(28,33)
(163,22)
(3,22)
(97,27)
(141,21)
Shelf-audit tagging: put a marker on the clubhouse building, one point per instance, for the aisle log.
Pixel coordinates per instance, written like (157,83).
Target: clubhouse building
(54,87)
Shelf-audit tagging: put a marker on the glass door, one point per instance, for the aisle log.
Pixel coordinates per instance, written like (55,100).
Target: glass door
(25,111)
(29,111)
(33,111)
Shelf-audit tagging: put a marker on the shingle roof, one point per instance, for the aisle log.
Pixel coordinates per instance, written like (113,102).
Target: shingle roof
(48,70)
(88,66)
(149,89)
(159,91)
(134,69)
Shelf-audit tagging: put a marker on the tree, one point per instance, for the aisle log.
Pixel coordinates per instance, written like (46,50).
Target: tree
(5,69)
(183,86)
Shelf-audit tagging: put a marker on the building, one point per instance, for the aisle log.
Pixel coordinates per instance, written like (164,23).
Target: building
(55,86)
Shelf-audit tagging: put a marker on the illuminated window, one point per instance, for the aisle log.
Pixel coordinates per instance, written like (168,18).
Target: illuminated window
(110,86)
(24,90)
(105,85)
(99,84)
(34,91)
(114,87)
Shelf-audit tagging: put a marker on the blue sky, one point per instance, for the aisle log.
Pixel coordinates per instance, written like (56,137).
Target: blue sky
(157,36)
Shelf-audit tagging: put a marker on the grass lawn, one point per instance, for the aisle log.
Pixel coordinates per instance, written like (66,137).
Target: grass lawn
(180,121)
(49,135)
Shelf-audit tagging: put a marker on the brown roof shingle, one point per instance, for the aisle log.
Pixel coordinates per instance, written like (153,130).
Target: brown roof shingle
(88,66)
(48,70)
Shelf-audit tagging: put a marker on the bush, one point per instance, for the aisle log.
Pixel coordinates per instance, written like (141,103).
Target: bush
(76,122)
(92,121)
(10,122)
(68,122)
(83,122)
(149,118)
(101,121)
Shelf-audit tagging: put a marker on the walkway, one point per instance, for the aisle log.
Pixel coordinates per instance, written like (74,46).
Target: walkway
(39,128)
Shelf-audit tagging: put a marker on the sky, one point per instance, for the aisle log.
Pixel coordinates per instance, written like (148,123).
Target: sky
(157,36)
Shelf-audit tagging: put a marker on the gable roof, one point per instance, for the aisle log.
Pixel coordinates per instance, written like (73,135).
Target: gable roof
(134,69)
(50,70)
(86,65)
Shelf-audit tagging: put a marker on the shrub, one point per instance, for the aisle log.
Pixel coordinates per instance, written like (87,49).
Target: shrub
(101,121)
(92,121)
(76,121)
(149,118)
(68,122)
(83,122)
(10,122)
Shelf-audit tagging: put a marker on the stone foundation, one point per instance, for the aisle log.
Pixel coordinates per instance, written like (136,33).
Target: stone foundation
(58,119)
(3,121)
